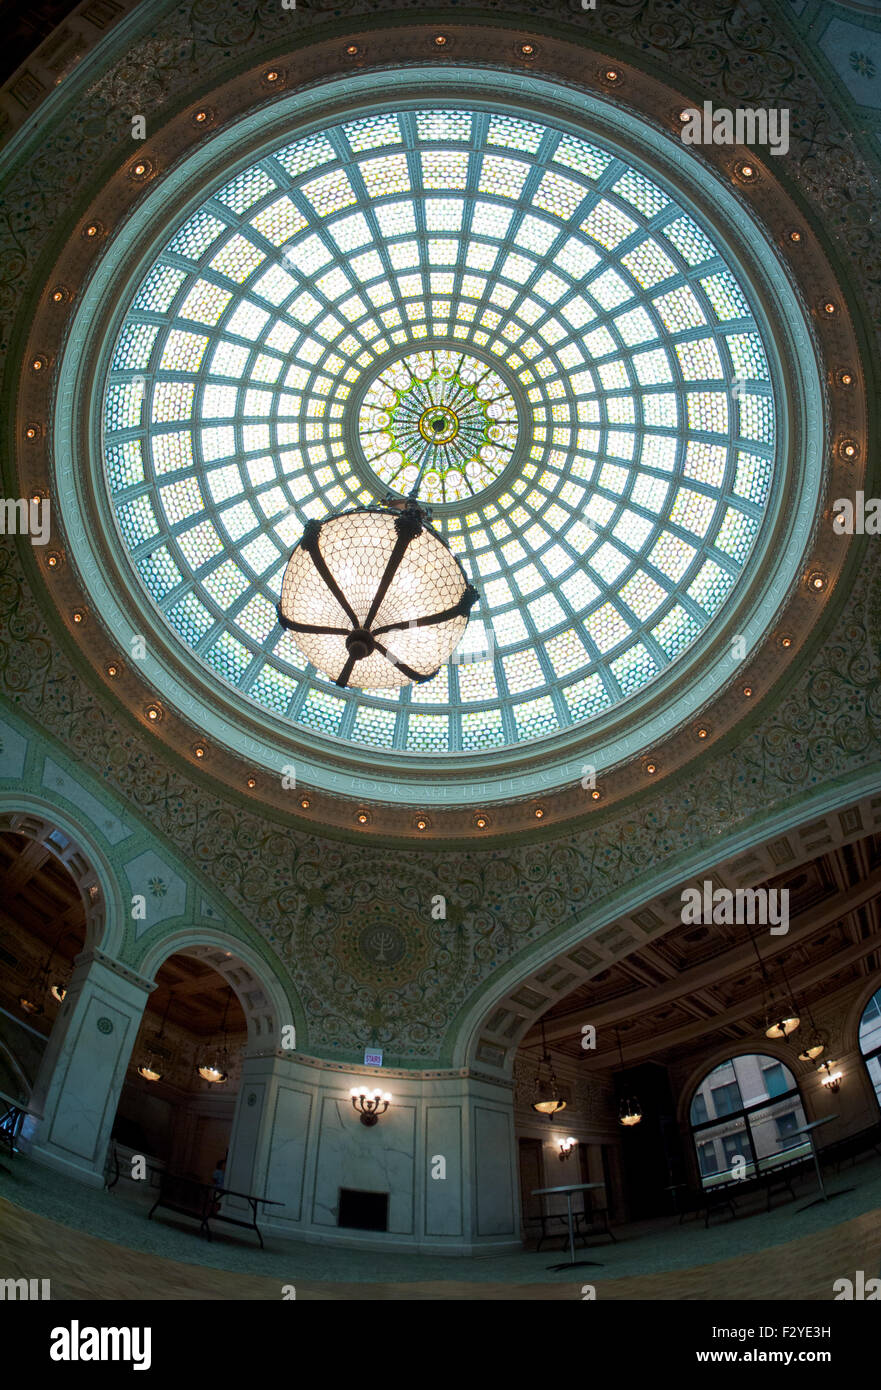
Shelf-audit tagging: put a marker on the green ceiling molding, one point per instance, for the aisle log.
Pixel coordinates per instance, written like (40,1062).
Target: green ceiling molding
(321,906)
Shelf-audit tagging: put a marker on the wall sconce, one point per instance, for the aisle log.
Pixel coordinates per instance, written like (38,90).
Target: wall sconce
(567,1147)
(830,1075)
(369,1104)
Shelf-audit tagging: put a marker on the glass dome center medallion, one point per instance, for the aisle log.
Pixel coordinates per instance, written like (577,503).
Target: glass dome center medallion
(440,425)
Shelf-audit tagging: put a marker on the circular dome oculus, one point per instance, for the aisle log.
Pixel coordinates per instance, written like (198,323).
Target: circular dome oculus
(620,469)
(438,425)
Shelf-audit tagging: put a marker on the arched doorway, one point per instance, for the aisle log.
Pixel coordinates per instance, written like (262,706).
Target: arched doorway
(171,1113)
(46,894)
(178,1102)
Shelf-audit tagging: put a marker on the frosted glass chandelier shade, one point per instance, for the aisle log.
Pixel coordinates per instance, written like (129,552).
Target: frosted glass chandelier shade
(374,597)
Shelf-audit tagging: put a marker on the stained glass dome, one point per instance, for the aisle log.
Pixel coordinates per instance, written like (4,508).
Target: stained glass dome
(509,318)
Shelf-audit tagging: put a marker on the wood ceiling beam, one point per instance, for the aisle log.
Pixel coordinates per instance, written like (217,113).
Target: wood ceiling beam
(712,972)
(22,870)
(650,1048)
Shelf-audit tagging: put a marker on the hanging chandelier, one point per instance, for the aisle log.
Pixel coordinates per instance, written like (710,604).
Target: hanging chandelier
(781,1017)
(375,597)
(151,1066)
(546,1097)
(38,986)
(817,1042)
(214,1066)
(630,1110)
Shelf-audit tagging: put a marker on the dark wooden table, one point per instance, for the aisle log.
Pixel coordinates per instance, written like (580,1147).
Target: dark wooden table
(201,1201)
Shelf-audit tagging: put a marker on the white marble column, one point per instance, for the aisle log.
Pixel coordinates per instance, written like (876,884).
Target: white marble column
(77,1088)
(443,1153)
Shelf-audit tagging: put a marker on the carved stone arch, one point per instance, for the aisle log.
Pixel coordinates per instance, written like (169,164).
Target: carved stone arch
(76,848)
(262,996)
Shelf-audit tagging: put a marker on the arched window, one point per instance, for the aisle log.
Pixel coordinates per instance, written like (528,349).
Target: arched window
(870,1040)
(744,1118)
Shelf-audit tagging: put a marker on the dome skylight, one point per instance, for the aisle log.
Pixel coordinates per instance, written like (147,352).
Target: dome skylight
(503,314)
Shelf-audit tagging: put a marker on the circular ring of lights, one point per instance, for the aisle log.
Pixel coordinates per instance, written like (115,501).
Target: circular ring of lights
(527,732)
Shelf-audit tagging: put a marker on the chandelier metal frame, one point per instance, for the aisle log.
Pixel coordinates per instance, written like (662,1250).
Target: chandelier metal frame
(362,639)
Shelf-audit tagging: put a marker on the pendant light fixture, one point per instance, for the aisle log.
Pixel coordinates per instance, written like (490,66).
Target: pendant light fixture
(630,1110)
(375,597)
(215,1061)
(785,1018)
(816,1043)
(37,986)
(151,1067)
(780,1017)
(546,1097)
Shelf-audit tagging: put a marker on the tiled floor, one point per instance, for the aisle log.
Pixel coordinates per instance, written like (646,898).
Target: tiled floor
(168,1260)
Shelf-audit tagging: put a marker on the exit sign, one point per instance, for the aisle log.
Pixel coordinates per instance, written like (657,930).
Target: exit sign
(373,1059)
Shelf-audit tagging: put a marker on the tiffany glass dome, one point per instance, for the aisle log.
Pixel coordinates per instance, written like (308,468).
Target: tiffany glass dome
(503,317)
